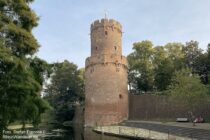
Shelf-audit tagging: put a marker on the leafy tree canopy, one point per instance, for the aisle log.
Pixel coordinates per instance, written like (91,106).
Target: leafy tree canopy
(21,75)
(151,68)
(66,89)
(187,87)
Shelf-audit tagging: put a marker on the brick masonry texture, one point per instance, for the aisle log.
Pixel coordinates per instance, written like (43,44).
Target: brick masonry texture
(156,107)
(106,93)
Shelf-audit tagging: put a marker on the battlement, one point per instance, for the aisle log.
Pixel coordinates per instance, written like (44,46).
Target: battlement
(106,22)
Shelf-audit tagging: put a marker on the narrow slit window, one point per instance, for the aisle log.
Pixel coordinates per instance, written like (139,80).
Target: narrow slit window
(106,33)
(115,48)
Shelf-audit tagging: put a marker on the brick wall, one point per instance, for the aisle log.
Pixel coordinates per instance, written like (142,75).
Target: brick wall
(152,107)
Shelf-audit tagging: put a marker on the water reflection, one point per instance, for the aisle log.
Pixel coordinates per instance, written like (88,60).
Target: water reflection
(80,133)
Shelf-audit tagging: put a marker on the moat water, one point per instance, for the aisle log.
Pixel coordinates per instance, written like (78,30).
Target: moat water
(58,133)
(80,133)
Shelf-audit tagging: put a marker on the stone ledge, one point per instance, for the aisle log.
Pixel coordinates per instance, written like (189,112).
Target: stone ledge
(132,132)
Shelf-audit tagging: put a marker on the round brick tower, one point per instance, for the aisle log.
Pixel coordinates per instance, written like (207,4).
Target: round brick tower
(106,93)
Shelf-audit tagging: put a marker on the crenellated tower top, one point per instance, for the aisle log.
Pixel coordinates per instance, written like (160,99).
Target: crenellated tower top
(106,22)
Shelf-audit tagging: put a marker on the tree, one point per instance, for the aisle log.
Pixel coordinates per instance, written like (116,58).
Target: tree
(208,57)
(20,83)
(201,67)
(175,54)
(208,65)
(163,75)
(192,52)
(151,69)
(167,59)
(195,59)
(188,89)
(65,90)
(140,66)
(163,68)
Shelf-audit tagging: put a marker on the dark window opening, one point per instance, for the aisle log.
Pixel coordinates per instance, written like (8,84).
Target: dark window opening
(96,48)
(91,70)
(115,48)
(106,33)
(120,96)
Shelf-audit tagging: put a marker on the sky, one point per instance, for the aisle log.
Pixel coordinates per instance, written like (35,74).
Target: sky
(64,25)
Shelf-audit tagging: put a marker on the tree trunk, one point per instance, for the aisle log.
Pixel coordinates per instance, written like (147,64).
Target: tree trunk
(1,131)
(23,125)
(2,126)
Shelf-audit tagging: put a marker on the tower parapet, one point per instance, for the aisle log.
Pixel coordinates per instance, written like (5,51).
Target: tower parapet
(106,22)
